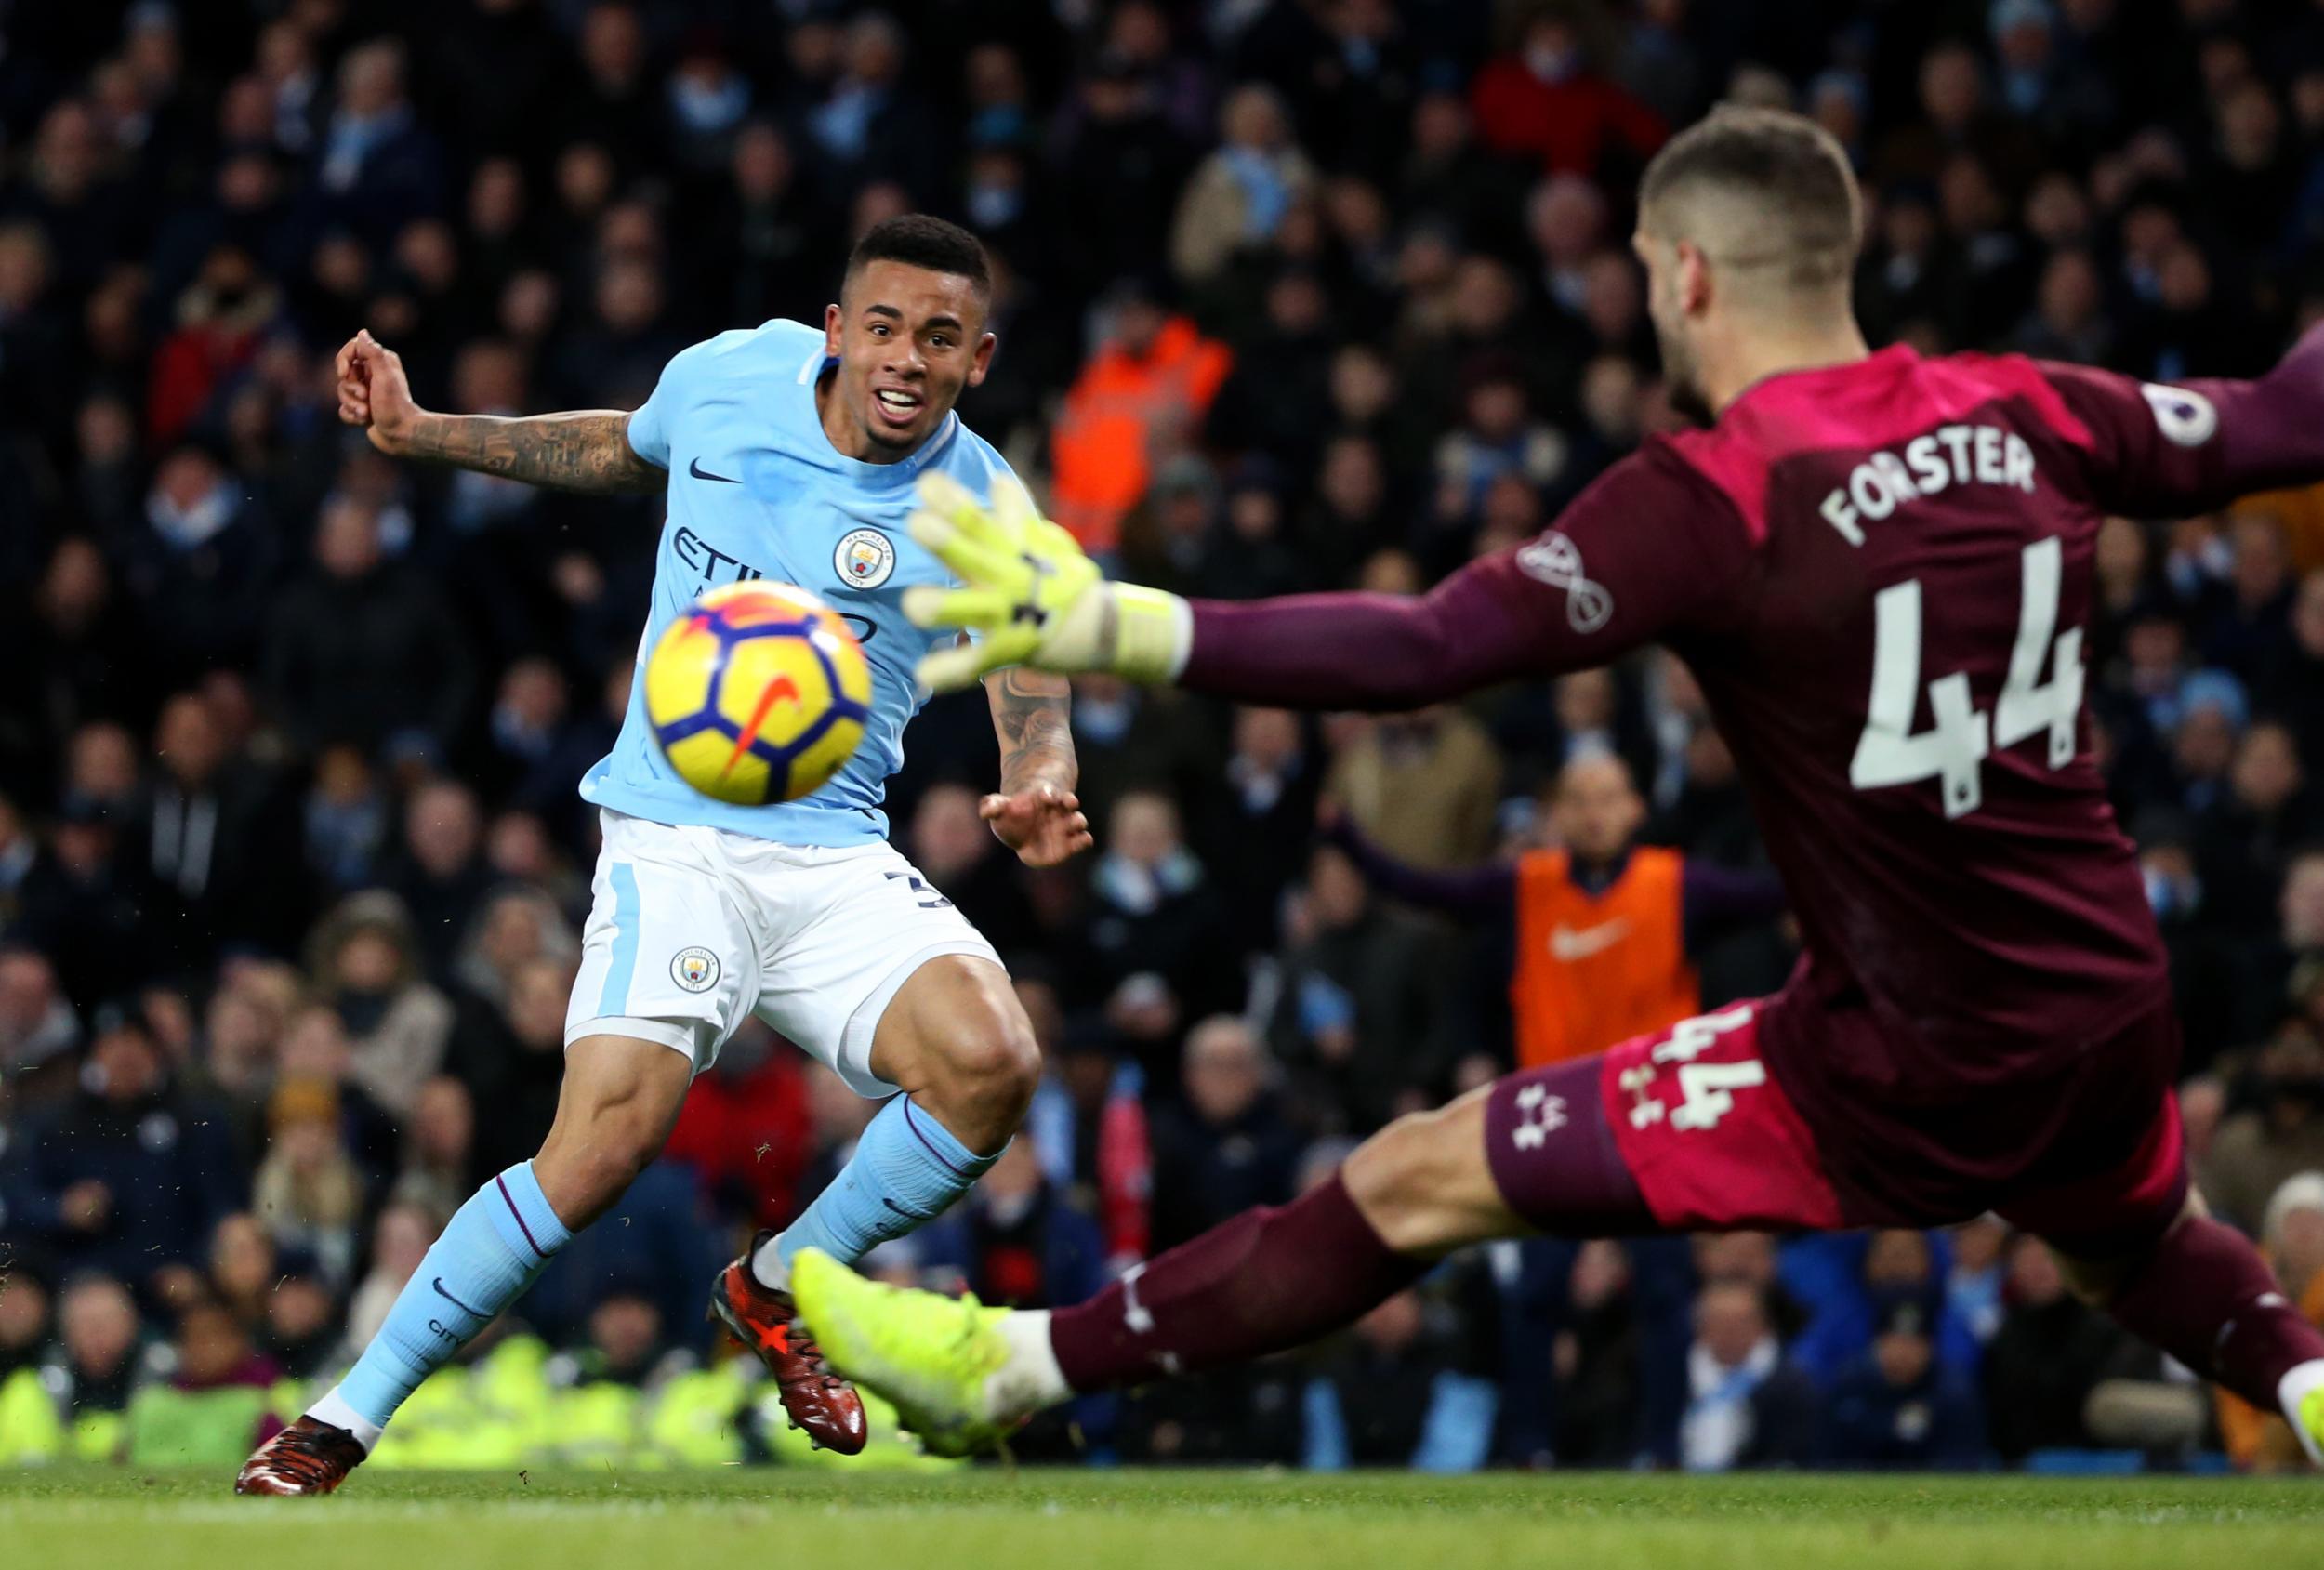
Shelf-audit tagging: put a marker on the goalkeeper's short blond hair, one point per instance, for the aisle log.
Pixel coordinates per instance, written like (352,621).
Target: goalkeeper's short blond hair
(1768,197)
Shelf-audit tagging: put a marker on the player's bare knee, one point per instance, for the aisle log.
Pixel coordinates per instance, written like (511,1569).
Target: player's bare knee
(982,1073)
(1408,1180)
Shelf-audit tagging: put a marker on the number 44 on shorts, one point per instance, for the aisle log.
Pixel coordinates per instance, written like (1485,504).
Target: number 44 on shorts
(1706,1090)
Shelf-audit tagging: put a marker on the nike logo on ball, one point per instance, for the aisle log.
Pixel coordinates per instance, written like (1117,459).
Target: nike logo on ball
(1569,946)
(699,472)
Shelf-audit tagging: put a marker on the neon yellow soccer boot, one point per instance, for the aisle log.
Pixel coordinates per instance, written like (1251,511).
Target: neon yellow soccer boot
(954,1369)
(2308,1423)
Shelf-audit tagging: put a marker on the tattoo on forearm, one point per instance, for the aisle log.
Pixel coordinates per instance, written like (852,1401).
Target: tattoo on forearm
(1032,718)
(586,451)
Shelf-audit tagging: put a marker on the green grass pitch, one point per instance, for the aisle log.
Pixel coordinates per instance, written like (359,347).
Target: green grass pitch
(64,1518)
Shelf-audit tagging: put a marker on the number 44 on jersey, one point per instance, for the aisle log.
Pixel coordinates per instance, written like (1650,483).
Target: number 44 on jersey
(1891,753)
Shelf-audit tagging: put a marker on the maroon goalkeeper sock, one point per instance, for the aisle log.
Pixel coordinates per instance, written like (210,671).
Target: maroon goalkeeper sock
(2207,1298)
(1269,1279)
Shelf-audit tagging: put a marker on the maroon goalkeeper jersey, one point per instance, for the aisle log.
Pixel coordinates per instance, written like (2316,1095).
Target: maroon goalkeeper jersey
(1881,575)
(1897,668)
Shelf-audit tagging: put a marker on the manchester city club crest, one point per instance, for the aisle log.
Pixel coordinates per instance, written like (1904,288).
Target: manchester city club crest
(865,559)
(696,970)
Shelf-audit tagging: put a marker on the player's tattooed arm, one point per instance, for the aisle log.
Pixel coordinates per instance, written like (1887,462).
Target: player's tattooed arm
(586,451)
(1035,812)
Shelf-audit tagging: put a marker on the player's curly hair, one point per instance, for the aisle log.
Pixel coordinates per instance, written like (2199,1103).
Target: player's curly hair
(920,240)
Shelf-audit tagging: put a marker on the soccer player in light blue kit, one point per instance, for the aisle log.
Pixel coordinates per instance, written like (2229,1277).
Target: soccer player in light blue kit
(791,454)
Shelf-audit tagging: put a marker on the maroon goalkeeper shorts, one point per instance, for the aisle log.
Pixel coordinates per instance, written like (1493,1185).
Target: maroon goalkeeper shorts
(1684,1130)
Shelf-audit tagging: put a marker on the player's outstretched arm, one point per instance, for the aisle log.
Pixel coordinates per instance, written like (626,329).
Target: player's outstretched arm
(587,450)
(1643,551)
(2173,449)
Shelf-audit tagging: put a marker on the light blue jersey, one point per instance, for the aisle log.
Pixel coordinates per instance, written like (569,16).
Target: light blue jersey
(756,491)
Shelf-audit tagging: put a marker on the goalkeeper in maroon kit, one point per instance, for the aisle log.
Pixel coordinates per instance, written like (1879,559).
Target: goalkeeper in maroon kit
(1878,566)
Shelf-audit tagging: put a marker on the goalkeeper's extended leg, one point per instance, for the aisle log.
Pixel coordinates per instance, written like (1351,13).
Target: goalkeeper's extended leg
(1269,1279)
(2201,1292)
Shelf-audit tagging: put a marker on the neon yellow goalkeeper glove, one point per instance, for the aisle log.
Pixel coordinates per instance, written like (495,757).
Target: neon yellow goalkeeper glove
(1031,597)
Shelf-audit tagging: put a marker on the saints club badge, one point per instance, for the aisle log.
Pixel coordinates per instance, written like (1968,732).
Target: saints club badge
(865,559)
(696,970)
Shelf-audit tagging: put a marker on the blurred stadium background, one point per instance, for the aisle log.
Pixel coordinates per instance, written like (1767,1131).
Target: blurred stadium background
(1297,294)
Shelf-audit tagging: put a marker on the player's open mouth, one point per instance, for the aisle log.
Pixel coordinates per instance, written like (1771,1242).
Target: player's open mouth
(896,407)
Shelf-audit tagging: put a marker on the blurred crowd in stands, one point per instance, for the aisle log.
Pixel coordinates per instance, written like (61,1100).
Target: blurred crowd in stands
(1292,295)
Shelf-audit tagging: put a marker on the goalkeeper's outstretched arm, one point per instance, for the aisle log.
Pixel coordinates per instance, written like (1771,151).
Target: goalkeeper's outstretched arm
(2171,450)
(1653,549)
(1649,549)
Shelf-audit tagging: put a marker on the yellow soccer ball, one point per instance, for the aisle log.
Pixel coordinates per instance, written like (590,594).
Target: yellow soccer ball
(758,694)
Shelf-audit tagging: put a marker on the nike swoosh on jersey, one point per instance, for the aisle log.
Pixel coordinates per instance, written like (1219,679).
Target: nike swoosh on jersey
(1568,946)
(699,472)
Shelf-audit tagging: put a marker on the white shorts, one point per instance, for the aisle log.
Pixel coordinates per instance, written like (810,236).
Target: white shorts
(693,930)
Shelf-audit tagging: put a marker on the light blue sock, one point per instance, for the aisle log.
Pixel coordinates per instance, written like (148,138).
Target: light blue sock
(489,1253)
(907,1170)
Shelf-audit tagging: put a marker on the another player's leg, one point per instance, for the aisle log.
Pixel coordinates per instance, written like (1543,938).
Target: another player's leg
(2201,1293)
(1682,1130)
(614,1110)
(956,1041)
(1269,1279)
